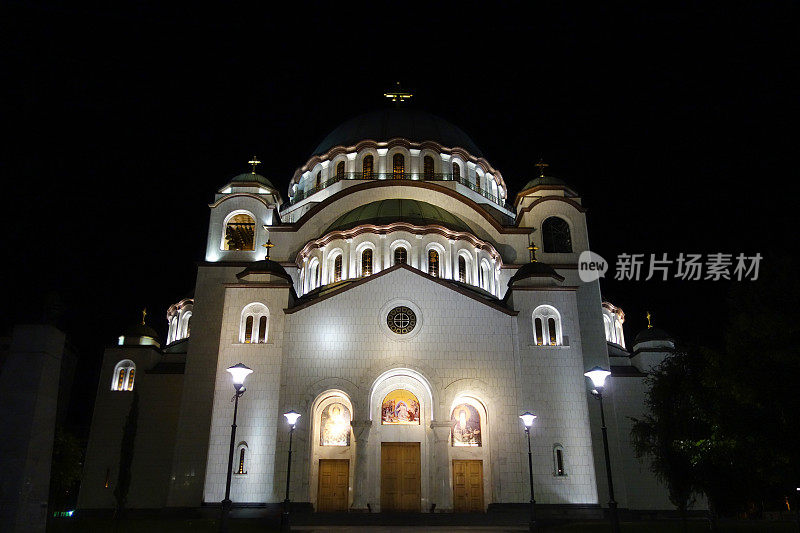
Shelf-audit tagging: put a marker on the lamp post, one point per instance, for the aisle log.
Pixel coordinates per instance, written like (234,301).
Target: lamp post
(291,417)
(238,373)
(527,419)
(598,377)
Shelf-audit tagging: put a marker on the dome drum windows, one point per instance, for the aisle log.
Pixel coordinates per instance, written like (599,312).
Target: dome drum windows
(123,376)
(400,256)
(254,325)
(547,326)
(367,168)
(337,268)
(462,269)
(340,170)
(366,262)
(240,232)
(433,263)
(398,167)
(427,167)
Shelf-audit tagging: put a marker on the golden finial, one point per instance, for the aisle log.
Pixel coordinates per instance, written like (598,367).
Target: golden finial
(541,165)
(398,95)
(255,162)
(268,245)
(649,325)
(532,250)
(144,315)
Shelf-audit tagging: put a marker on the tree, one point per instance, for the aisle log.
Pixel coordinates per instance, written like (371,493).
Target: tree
(66,470)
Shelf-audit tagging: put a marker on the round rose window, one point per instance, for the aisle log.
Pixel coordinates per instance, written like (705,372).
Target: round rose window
(401,320)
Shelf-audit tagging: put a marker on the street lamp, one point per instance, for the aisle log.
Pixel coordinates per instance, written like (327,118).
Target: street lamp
(291,417)
(238,372)
(527,419)
(598,377)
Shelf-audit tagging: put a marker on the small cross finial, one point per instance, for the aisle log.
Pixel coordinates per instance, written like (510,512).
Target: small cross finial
(255,162)
(532,250)
(398,95)
(268,245)
(144,315)
(649,325)
(541,165)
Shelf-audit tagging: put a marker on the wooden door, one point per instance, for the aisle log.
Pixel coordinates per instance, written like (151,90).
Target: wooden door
(400,476)
(334,485)
(467,486)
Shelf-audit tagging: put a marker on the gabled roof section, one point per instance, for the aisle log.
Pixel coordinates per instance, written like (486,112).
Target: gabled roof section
(334,289)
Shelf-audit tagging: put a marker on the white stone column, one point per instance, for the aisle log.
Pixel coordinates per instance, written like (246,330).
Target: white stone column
(348,253)
(441,493)
(451,266)
(361,430)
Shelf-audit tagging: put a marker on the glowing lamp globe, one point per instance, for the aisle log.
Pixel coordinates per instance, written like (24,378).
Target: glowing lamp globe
(291,417)
(598,376)
(527,419)
(238,373)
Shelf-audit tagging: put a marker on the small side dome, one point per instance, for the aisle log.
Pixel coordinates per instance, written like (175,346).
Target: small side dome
(251,177)
(534,269)
(544,180)
(651,335)
(139,335)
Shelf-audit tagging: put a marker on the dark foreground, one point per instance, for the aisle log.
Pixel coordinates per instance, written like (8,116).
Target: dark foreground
(248,525)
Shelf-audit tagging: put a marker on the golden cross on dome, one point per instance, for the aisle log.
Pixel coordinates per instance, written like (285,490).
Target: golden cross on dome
(268,245)
(541,165)
(255,162)
(398,95)
(649,325)
(144,315)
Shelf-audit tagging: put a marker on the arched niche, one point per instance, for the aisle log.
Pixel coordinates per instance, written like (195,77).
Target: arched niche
(332,438)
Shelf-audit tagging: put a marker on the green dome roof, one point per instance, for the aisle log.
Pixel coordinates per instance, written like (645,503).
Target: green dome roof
(544,180)
(652,334)
(385,212)
(406,122)
(140,330)
(251,177)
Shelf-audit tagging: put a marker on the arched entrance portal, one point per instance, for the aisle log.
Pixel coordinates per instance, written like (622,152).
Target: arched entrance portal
(333,452)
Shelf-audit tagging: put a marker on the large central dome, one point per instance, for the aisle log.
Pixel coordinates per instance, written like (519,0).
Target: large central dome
(398,210)
(411,124)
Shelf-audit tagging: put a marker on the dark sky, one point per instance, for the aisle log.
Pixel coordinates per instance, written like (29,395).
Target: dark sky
(675,122)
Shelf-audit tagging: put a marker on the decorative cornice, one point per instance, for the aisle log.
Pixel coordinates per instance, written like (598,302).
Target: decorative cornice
(406,183)
(536,202)
(358,282)
(397,226)
(232,195)
(526,192)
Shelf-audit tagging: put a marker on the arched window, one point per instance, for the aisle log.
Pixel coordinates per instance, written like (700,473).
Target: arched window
(398,166)
(400,255)
(555,236)
(547,326)
(337,268)
(340,170)
(485,283)
(366,262)
(124,374)
(462,269)
(240,232)
(456,171)
(254,325)
(313,275)
(242,458)
(465,426)
(318,181)
(433,263)
(366,168)
(477,179)
(241,470)
(558,461)
(427,167)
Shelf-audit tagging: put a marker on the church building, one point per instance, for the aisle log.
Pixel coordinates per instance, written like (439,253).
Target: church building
(410,312)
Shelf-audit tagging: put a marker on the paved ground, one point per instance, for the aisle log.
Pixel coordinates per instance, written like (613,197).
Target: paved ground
(403,529)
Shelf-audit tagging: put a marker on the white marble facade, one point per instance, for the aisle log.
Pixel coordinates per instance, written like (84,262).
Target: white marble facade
(314,330)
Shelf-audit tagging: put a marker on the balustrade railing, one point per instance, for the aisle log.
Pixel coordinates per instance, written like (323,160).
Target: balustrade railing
(415,176)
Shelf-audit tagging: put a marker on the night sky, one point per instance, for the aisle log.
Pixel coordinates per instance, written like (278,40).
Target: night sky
(676,124)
